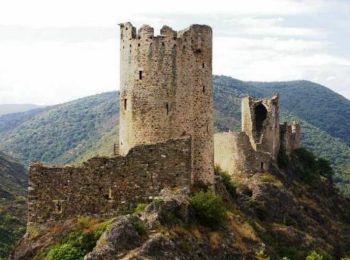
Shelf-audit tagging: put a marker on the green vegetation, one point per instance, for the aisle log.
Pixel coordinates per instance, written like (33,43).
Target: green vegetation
(226,179)
(78,243)
(140,207)
(11,229)
(140,227)
(313,255)
(309,167)
(209,209)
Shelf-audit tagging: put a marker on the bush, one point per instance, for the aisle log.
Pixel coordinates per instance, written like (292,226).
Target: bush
(305,163)
(64,252)
(77,244)
(310,167)
(140,207)
(313,255)
(227,180)
(209,209)
(282,158)
(140,227)
(325,168)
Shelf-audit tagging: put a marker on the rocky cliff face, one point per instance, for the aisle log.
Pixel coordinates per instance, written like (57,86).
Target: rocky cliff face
(275,214)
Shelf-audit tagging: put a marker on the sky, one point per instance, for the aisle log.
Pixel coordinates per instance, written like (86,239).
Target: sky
(54,51)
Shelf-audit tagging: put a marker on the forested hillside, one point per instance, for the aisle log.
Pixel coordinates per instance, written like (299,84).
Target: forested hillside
(13,184)
(75,131)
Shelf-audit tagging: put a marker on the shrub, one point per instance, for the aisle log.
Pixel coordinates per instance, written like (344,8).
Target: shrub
(209,209)
(313,255)
(77,244)
(227,181)
(64,252)
(325,168)
(140,227)
(310,167)
(140,207)
(282,158)
(305,163)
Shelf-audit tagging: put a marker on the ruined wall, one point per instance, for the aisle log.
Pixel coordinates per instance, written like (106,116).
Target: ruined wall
(235,155)
(290,137)
(105,186)
(260,121)
(166,90)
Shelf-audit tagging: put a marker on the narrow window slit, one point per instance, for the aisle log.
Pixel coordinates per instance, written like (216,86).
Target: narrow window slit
(140,75)
(125,104)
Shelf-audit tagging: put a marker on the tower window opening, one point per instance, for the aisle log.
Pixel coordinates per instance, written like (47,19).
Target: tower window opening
(167,108)
(260,117)
(203,89)
(140,75)
(262,166)
(203,65)
(125,104)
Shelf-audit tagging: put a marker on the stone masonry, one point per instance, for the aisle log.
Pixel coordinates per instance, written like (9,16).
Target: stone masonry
(106,186)
(257,146)
(166,91)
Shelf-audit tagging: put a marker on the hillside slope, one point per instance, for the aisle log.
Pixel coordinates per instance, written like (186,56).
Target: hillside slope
(269,215)
(315,104)
(74,131)
(13,185)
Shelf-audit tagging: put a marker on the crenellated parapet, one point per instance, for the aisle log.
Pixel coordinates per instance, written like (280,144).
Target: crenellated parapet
(166,90)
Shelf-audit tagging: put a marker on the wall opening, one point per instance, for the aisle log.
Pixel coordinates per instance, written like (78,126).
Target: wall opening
(125,104)
(58,206)
(260,117)
(262,166)
(140,75)
(203,89)
(167,108)
(203,65)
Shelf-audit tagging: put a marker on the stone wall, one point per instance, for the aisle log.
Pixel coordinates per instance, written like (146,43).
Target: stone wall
(166,91)
(290,137)
(104,186)
(234,154)
(260,121)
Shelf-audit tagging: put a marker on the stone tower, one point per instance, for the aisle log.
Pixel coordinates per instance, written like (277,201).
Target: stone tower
(260,121)
(166,91)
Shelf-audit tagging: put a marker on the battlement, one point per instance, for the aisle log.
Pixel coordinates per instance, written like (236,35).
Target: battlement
(146,32)
(166,90)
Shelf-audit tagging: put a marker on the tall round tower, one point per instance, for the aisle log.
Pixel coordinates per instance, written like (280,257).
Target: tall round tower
(166,91)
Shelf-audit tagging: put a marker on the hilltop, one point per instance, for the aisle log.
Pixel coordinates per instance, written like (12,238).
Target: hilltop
(292,211)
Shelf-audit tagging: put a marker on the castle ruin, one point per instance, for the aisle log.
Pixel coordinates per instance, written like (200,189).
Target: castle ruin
(166,91)
(166,136)
(262,138)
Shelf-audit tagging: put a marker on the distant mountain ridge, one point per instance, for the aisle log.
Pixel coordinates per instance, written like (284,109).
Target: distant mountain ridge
(74,131)
(16,108)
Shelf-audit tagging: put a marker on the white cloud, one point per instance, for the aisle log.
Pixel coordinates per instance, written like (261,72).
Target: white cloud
(54,51)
